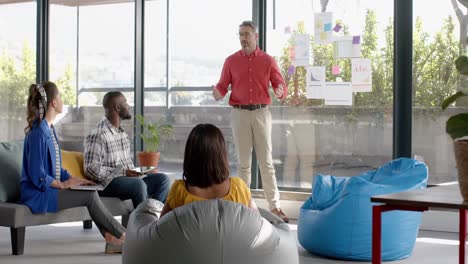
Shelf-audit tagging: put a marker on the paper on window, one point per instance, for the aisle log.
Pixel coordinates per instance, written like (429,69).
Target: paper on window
(345,48)
(323,27)
(315,80)
(301,50)
(338,93)
(361,75)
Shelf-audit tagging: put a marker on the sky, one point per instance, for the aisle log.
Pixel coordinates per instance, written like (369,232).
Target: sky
(17,21)
(202,32)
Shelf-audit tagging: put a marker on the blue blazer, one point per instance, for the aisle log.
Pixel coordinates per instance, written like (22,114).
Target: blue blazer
(39,170)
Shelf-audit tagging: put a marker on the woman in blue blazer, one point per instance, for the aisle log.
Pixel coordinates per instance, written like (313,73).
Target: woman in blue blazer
(45,185)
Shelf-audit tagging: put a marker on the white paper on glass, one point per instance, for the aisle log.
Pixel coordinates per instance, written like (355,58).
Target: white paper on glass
(343,47)
(301,50)
(338,93)
(315,81)
(323,27)
(361,75)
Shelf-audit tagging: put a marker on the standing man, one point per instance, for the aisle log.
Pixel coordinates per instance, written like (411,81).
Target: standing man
(249,71)
(108,159)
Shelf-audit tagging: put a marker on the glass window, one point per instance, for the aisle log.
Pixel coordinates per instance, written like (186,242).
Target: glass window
(155,53)
(17,65)
(313,136)
(90,56)
(63,50)
(436,46)
(198,46)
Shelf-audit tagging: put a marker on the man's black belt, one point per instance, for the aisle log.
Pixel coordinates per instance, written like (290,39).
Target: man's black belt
(250,107)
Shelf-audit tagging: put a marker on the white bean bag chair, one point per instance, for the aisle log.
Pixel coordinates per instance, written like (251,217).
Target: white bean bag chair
(213,231)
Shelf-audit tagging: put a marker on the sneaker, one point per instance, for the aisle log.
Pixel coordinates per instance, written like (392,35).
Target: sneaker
(113,249)
(156,206)
(278,212)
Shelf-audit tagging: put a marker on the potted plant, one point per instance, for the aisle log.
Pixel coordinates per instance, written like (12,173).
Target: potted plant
(457,126)
(151,135)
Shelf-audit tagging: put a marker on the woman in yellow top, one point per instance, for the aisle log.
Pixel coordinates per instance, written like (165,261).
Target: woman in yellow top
(206,172)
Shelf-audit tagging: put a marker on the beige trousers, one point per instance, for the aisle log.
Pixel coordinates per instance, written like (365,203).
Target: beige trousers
(252,129)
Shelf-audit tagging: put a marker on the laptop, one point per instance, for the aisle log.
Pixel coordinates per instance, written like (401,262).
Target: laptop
(97,187)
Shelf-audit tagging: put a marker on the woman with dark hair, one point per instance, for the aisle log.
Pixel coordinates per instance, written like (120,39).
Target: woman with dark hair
(45,185)
(206,172)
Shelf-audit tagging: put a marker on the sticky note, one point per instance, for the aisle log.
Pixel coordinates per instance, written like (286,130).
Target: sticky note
(336,70)
(356,39)
(287,30)
(327,27)
(323,35)
(337,28)
(291,70)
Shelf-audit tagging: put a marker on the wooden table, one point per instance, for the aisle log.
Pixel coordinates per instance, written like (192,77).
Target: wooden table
(435,198)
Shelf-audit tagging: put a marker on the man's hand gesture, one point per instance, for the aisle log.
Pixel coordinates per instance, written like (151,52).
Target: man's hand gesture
(279,91)
(216,94)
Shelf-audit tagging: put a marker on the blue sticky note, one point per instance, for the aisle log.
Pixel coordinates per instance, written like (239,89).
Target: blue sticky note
(327,27)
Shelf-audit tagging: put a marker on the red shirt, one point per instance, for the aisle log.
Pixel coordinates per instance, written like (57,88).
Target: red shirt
(250,76)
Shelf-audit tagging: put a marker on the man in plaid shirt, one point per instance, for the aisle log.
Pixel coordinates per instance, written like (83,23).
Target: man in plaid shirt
(108,160)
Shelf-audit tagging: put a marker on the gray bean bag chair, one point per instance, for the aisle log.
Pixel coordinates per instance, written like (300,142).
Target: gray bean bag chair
(213,231)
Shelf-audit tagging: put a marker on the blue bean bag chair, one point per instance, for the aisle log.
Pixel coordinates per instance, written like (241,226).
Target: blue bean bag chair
(336,221)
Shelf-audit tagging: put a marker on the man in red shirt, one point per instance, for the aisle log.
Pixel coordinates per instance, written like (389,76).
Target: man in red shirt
(249,71)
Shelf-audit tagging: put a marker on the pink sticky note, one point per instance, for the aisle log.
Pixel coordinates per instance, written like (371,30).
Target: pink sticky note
(336,70)
(337,28)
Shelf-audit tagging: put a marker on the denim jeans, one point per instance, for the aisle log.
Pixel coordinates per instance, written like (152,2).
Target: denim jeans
(138,189)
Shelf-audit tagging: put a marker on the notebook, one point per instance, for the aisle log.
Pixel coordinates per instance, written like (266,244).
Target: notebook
(97,187)
(145,170)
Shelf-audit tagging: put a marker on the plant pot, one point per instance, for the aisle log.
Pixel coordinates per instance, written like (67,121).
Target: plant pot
(148,159)
(461,157)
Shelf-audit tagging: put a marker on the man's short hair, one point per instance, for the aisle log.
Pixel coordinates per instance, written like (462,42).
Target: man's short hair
(109,99)
(248,23)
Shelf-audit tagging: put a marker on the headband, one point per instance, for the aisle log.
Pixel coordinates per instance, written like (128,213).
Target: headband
(43,101)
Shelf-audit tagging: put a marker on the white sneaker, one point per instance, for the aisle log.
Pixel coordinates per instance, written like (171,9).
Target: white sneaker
(156,205)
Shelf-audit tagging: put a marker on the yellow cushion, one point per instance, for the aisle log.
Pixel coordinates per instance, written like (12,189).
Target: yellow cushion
(72,161)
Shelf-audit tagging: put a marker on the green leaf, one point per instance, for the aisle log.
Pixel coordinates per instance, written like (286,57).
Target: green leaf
(462,64)
(448,101)
(457,126)
(152,132)
(140,119)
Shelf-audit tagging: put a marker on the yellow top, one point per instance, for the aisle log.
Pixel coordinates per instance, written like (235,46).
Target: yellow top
(179,195)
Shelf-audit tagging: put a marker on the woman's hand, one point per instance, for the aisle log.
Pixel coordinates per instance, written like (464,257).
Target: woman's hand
(87,182)
(73,181)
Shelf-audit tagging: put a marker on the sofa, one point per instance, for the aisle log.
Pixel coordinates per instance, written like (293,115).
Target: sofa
(18,216)
(208,232)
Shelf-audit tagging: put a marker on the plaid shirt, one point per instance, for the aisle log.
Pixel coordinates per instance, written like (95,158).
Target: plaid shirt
(107,149)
